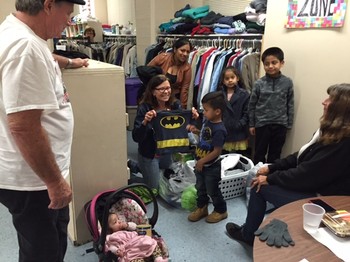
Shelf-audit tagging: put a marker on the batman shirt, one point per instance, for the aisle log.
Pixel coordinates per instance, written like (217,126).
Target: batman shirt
(170,131)
(211,135)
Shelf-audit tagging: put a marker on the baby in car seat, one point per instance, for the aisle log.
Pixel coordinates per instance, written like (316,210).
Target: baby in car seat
(124,241)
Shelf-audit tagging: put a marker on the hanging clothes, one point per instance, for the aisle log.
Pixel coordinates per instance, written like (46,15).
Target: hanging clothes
(209,64)
(208,59)
(121,51)
(81,48)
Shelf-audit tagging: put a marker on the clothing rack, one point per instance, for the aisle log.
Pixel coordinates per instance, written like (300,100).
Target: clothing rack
(70,41)
(240,50)
(217,40)
(121,51)
(78,47)
(120,38)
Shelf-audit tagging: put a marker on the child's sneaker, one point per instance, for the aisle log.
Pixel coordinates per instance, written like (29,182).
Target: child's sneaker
(215,217)
(198,214)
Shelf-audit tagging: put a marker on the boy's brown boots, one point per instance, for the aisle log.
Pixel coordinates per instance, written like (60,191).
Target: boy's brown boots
(198,214)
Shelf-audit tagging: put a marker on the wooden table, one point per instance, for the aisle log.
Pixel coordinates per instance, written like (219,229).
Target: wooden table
(305,245)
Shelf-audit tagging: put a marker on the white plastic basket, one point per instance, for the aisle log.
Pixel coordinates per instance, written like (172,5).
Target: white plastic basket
(233,184)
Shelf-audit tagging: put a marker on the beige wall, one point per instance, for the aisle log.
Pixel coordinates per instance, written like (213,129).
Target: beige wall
(120,11)
(182,3)
(7,6)
(314,59)
(101,11)
(144,21)
(227,7)
(115,11)
(148,18)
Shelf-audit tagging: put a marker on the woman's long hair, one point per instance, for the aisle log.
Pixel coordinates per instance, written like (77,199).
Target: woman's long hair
(148,96)
(335,123)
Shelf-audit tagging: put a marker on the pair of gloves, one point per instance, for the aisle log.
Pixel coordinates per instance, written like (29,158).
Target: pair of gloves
(275,233)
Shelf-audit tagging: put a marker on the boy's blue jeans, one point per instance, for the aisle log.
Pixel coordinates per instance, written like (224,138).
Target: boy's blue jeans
(207,183)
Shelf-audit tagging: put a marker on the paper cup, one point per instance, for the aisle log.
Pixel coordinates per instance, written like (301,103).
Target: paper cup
(312,216)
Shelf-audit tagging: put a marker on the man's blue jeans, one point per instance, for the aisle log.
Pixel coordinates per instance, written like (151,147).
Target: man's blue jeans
(277,196)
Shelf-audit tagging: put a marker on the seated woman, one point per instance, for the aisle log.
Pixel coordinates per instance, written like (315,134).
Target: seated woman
(320,167)
(176,67)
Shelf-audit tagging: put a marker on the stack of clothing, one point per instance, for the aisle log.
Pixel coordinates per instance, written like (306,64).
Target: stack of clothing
(256,16)
(202,21)
(184,20)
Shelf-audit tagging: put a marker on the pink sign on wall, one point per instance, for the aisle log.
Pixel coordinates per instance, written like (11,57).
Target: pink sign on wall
(315,13)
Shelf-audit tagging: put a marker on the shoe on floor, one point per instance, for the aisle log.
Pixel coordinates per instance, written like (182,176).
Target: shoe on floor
(235,232)
(198,214)
(133,166)
(215,217)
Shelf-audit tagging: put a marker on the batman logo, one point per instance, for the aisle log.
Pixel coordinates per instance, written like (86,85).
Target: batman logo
(206,134)
(172,122)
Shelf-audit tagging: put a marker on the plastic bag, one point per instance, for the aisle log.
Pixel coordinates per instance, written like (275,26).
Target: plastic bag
(189,198)
(173,182)
(251,175)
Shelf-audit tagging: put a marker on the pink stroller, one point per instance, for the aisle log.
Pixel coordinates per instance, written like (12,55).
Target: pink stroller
(125,202)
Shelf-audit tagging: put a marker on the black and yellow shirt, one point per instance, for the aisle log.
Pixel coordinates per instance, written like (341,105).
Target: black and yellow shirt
(170,131)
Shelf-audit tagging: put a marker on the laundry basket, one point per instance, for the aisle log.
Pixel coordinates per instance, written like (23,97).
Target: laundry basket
(232,184)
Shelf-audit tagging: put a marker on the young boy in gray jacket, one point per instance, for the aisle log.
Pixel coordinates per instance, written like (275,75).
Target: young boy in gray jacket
(271,108)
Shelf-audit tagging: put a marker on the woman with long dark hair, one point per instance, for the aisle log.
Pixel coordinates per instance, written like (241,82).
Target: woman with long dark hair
(321,166)
(157,96)
(175,66)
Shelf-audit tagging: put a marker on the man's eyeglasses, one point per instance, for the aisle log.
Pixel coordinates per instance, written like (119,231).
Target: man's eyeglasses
(163,89)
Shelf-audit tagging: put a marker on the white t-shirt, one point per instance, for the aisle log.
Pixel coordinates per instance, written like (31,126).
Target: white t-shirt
(30,79)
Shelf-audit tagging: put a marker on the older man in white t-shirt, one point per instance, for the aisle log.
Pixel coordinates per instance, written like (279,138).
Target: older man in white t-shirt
(36,127)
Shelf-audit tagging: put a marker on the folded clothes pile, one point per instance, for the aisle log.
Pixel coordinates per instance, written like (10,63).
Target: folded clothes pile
(197,12)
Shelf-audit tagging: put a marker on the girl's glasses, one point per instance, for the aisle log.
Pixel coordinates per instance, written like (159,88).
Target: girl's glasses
(163,89)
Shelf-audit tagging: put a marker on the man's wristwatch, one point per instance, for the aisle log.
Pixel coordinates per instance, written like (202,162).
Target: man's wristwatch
(69,63)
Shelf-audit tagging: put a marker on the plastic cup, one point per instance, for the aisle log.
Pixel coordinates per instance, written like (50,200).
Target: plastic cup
(312,216)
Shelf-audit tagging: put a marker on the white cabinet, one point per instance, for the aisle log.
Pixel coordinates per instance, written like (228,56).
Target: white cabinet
(99,150)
